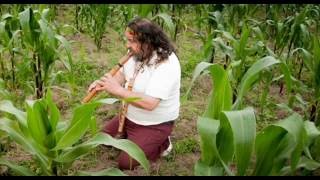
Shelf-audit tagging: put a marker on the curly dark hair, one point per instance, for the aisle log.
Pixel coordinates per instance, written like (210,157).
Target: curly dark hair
(152,38)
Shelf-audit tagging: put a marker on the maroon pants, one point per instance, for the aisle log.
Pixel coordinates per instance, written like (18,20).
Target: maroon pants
(153,139)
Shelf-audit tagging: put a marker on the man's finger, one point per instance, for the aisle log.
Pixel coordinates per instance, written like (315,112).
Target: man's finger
(107,75)
(103,79)
(100,83)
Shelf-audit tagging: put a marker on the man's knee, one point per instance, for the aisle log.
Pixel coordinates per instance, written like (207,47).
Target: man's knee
(126,162)
(111,126)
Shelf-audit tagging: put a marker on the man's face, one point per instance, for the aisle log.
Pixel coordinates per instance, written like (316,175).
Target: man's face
(133,44)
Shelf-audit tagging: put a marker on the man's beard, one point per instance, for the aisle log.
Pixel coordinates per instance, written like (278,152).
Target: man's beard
(139,56)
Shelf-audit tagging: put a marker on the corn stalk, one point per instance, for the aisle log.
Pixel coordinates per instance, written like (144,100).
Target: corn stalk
(9,31)
(41,40)
(94,18)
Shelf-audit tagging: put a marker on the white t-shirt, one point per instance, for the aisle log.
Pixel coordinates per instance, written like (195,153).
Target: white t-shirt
(160,81)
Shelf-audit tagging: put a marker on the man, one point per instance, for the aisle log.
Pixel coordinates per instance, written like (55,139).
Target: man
(154,73)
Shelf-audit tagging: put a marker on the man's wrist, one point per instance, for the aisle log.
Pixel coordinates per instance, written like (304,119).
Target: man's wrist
(121,92)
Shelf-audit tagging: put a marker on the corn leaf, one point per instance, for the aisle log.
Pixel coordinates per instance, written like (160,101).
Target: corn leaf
(78,126)
(287,139)
(105,172)
(36,119)
(243,126)
(211,161)
(196,73)
(26,18)
(71,154)
(287,76)
(145,9)
(27,144)
(128,146)
(167,21)
(7,106)
(66,46)
(251,76)
(221,95)
(53,111)
(17,169)
(201,169)
(304,162)
(269,137)
(295,127)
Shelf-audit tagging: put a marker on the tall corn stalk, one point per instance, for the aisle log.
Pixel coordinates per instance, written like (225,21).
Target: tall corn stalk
(9,31)
(93,18)
(42,42)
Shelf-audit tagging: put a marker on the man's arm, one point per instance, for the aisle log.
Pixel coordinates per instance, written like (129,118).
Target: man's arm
(145,102)
(113,86)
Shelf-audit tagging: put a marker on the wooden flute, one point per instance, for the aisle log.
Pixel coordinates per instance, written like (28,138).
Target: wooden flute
(113,71)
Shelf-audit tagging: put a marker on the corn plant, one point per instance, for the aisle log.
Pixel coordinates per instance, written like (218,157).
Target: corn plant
(3,92)
(215,21)
(156,12)
(228,132)
(176,12)
(94,17)
(42,47)
(9,31)
(312,63)
(54,143)
(236,14)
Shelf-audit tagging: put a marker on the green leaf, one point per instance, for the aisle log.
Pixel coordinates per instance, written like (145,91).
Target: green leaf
(145,9)
(131,99)
(71,154)
(123,144)
(304,162)
(240,48)
(243,125)
(47,34)
(268,137)
(7,106)
(37,122)
(312,131)
(6,16)
(107,101)
(208,129)
(17,169)
(78,126)
(93,126)
(167,21)
(53,111)
(210,158)
(196,73)
(295,127)
(105,172)
(251,76)
(27,144)
(202,169)
(221,95)
(4,34)
(287,139)
(287,76)
(25,18)
(309,164)
(66,45)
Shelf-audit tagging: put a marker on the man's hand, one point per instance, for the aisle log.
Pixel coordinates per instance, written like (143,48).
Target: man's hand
(109,84)
(92,86)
